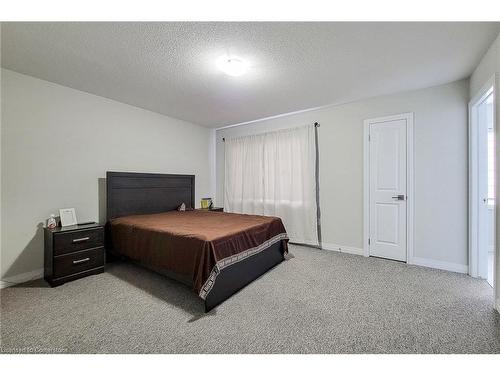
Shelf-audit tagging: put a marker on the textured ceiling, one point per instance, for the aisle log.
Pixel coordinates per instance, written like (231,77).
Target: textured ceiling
(170,68)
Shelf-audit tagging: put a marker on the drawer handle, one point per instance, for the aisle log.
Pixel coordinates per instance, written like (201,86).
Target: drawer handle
(81,239)
(81,260)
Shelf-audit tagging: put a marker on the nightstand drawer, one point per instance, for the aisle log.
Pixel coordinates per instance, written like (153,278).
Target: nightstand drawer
(77,262)
(78,240)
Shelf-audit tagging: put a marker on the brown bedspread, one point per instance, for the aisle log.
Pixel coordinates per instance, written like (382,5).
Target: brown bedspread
(195,244)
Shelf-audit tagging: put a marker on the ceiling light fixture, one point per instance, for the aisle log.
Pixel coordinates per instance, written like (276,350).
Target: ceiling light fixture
(232,66)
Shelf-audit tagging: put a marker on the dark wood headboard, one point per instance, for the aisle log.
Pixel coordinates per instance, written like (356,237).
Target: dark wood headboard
(146,193)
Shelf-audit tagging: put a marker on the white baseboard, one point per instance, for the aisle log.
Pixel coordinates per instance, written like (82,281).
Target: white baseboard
(424,262)
(300,242)
(342,248)
(447,266)
(21,278)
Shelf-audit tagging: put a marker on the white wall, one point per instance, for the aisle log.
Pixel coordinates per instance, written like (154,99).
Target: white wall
(57,143)
(1,106)
(490,65)
(440,168)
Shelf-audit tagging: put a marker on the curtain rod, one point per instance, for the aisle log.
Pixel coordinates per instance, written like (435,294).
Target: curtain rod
(316,125)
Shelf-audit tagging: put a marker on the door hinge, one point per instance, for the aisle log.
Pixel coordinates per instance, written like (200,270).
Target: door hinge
(368,241)
(369,137)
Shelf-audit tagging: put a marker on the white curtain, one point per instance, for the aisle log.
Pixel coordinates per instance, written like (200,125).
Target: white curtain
(274,174)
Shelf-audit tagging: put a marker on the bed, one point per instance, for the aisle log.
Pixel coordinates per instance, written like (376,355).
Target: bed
(215,253)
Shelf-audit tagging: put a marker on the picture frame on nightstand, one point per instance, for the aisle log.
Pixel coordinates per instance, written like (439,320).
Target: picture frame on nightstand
(68,217)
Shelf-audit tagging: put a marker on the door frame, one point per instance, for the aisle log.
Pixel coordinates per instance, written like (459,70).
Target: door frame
(473,217)
(410,180)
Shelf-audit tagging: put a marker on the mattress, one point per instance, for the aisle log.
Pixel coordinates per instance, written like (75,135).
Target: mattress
(195,245)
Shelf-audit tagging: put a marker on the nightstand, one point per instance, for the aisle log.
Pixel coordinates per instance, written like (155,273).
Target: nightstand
(216,209)
(73,252)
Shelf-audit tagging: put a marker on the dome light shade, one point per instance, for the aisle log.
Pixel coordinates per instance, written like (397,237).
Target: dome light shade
(232,66)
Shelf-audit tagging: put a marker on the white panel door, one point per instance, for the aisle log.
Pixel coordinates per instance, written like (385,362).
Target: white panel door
(483,119)
(387,189)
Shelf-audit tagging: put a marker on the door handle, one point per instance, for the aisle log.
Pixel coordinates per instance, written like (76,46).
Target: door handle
(399,197)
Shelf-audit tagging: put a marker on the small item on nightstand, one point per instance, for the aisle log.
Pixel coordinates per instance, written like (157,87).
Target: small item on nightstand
(206,202)
(51,222)
(68,217)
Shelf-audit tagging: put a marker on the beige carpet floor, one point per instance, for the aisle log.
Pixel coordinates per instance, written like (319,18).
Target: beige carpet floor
(316,302)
